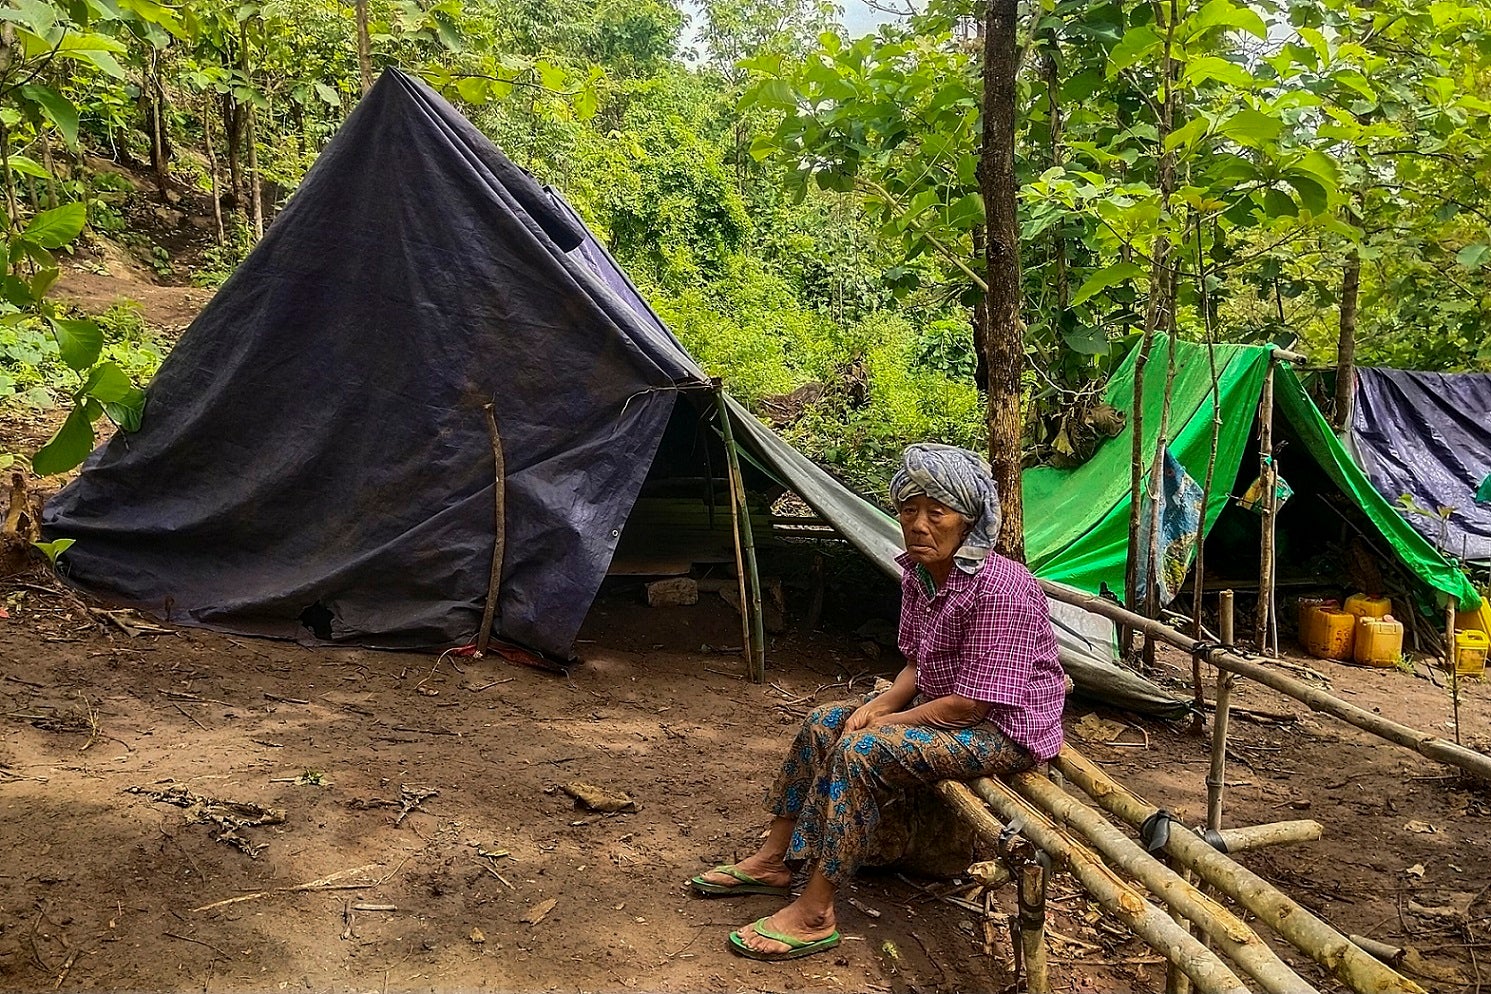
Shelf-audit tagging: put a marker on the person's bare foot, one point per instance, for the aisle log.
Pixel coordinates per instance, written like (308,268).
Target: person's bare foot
(802,924)
(773,872)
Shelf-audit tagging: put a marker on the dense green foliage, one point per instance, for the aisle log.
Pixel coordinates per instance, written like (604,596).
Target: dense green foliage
(802,206)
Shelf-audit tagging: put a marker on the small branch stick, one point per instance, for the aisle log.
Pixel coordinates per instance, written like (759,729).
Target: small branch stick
(499,542)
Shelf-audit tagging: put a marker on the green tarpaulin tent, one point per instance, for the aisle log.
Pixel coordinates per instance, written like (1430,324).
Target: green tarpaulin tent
(1077,519)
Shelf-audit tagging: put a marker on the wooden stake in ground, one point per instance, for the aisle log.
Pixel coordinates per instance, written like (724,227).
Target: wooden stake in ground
(499,531)
(1308,933)
(1216,778)
(1266,481)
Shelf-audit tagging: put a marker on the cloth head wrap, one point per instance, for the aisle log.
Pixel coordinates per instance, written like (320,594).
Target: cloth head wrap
(959,479)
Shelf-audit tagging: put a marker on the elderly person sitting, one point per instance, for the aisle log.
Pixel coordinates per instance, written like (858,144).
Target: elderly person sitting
(980,695)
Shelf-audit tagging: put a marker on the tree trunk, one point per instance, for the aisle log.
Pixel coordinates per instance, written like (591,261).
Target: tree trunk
(1006,337)
(1351,282)
(150,91)
(232,114)
(217,192)
(364,46)
(256,200)
(256,196)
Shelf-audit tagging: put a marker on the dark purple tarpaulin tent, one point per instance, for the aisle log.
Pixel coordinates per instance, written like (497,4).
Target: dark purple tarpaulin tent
(1428,436)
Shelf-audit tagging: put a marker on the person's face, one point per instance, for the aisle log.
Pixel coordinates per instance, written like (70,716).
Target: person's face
(931,530)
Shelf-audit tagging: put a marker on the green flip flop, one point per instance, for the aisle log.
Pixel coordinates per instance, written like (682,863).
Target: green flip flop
(797,948)
(748,884)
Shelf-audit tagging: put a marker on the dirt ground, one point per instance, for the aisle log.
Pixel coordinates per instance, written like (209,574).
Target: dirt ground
(499,882)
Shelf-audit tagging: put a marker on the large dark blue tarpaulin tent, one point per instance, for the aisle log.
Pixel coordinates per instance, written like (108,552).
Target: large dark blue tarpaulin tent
(1428,436)
(314,461)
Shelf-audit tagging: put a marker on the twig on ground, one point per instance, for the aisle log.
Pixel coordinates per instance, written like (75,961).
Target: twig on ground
(184,711)
(325,883)
(412,799)
(187,938)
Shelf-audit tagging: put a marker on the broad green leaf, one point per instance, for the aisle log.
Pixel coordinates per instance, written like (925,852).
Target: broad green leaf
(1250,127)
(42,282)
(1311,193)
(128,411)
(78,342)
(1474,256)
(28,167)
(1188,133)
(1211,67)
(473,89)
(107,383)
(1317,41)
(56,227)
(58,109)
(587,102)
(1353,80)
(966,212)
(326,93)
(55,548)
(552,77)
(1277,203)
(919,204)
(1104,278)
(1133,47)
(1224,14)
(35,16)
(1086,340)
(71,445)
(1319,165)
(775,93)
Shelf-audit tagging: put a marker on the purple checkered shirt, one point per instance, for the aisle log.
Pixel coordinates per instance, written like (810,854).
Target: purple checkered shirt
(987,636)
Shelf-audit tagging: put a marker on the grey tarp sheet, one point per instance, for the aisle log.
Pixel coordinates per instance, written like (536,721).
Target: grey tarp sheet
(1428,435)
(1086,640)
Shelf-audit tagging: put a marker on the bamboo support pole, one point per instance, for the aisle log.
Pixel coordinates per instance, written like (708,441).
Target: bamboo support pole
(1203,966)
(1230,934)
(1452,659)
(752,617)
(1031,886)
(1296,924)
(499,532)
(1216,777)
(1276,833)
(1429,746)
(1226,617)
(1266,480)
(985,826)
(731,468)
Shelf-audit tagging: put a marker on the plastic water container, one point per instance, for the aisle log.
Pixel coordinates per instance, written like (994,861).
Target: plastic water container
(1365,606)
(1333,634)
(1470,653)
(1379,642)
(1309,615)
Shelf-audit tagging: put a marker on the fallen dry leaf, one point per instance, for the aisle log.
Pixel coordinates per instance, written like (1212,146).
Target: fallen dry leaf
(539,911)
(477,936)
(1416,870)
(1421,826)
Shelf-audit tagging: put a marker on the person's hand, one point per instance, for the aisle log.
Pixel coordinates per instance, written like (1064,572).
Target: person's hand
(864,716)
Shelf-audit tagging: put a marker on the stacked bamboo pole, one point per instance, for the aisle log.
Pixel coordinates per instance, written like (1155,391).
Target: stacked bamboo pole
(1204,967)
(1231,935)
(1293,922)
